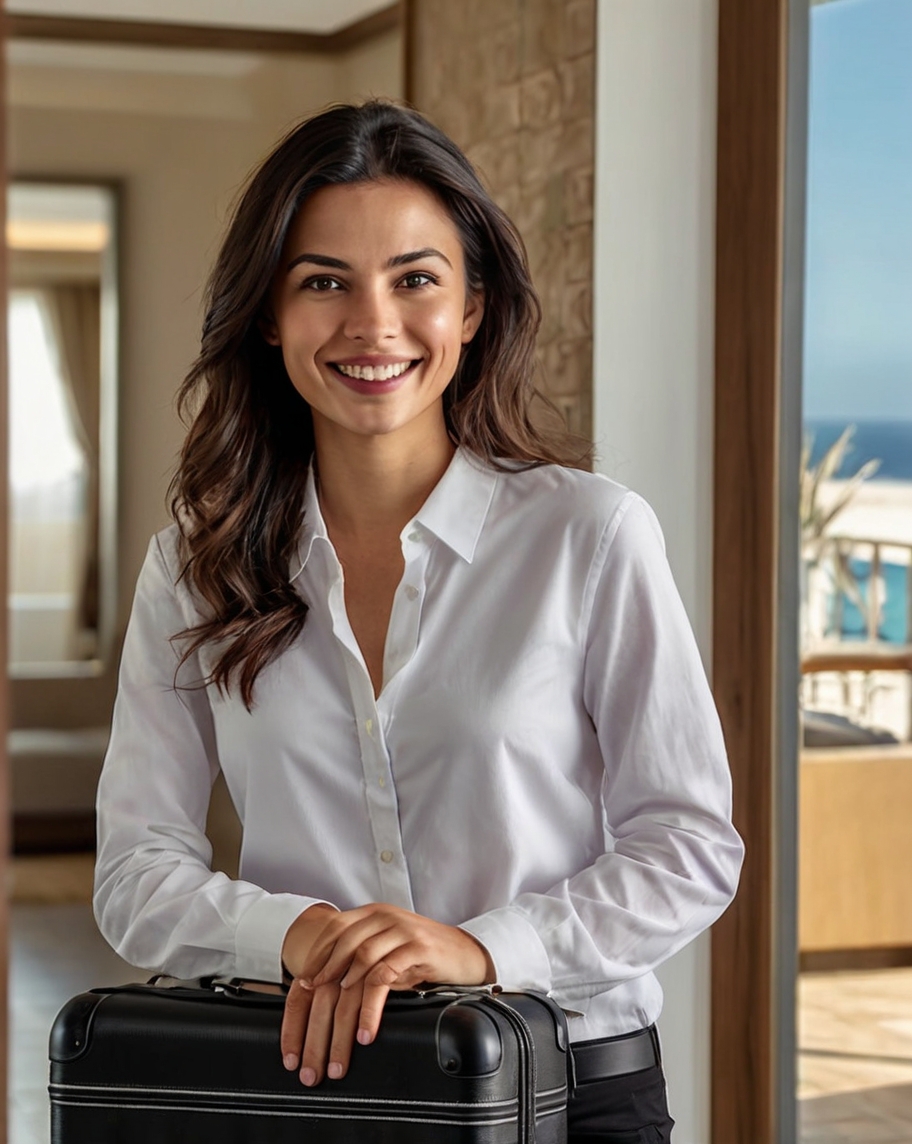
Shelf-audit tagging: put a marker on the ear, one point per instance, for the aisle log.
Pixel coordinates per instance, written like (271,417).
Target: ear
(474,312)
(269,330)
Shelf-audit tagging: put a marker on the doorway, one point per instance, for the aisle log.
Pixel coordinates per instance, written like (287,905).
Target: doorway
(855,844)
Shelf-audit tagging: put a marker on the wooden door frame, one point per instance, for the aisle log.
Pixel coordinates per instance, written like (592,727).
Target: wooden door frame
(4,709)
(762,117)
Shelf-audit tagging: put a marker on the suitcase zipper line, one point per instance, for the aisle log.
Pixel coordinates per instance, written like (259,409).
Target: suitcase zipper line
(113,1089)
(90,1090)
(298,1114)
(527,1067)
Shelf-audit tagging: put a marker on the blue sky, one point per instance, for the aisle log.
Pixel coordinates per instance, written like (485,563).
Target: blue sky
(858,323)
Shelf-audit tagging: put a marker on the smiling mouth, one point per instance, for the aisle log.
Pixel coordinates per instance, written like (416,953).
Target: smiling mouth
(374,372)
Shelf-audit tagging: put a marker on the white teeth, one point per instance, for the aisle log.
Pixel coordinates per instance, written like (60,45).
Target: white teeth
(374,372)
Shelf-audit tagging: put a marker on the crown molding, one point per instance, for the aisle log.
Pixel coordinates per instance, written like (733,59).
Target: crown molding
(151,33)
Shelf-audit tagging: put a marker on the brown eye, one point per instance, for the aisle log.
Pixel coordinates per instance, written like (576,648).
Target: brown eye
(321,283)
(417,279)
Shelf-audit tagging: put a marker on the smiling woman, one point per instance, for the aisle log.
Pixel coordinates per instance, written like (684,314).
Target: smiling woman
(389,325)
(448,678)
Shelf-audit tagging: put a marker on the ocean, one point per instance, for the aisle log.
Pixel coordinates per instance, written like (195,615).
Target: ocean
(888,441)
(894,619)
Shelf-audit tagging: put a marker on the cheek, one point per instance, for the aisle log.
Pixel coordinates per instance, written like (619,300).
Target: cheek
(444,329)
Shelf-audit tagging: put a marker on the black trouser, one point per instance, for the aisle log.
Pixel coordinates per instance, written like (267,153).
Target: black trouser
(629,1109)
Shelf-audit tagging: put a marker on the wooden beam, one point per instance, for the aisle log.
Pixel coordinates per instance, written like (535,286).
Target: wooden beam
(851,656)
(155,34)
(751,118)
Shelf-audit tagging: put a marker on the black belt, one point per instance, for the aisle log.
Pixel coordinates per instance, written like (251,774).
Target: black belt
(615,1056)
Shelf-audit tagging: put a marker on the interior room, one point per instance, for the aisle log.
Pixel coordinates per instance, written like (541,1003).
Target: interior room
(123,159)
(617,136)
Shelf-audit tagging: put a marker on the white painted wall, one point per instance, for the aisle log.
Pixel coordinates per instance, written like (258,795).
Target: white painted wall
(653,352)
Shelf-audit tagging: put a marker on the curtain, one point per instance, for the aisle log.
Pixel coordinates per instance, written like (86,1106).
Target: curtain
(74,315)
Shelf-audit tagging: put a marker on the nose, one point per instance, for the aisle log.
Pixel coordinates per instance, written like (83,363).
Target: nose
(372,315)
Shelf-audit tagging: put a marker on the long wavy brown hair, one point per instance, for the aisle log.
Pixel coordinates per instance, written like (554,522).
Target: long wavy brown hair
(237,493)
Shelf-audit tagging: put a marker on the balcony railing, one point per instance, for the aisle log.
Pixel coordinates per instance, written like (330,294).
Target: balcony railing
(833,581)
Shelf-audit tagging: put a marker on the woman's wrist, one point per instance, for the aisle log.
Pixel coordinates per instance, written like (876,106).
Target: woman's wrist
(490,970)
(300,936)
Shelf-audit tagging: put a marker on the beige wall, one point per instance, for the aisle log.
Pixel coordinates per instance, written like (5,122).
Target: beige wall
(179,131)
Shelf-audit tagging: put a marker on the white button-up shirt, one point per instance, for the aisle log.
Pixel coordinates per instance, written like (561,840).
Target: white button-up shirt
(543,767)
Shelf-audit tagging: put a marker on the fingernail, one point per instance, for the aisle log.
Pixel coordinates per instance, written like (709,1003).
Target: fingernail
(305,983)
(334,1071)
(364,1036)
(308,1077)
(291,1060)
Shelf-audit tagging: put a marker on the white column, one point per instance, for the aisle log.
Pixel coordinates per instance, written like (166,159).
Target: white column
(653,359)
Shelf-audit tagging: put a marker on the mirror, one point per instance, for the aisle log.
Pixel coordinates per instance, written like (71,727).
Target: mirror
(62,327)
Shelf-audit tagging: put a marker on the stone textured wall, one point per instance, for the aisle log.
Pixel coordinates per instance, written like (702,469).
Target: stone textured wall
(512,81)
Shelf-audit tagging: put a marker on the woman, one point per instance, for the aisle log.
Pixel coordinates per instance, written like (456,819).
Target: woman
(449,681)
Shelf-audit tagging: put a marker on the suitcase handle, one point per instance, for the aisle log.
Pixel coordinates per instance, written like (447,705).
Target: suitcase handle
(253,989)
(245,987)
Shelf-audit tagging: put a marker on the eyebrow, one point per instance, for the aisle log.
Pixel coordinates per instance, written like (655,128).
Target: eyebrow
(396,260)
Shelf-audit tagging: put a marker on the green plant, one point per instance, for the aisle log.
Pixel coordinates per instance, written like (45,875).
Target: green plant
(815,518)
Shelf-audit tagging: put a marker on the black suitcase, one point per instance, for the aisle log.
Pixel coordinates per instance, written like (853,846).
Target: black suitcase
(190,1063)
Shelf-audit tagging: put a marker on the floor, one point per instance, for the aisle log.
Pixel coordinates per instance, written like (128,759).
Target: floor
(855,1028)
(855,1060)
(55,953)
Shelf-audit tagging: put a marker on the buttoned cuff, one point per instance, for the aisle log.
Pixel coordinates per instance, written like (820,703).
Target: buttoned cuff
(519,956)
(261,933)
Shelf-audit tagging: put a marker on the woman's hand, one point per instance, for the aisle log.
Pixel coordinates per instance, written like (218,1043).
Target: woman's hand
(354,958)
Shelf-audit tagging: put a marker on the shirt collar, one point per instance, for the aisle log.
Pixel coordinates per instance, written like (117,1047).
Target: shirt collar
(455,512)
(313,526)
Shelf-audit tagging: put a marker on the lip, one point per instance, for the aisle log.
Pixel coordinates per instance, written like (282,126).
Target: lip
(374,388)
(372,360)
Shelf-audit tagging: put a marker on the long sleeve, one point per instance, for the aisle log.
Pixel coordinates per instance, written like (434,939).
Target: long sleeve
(156,900)
(672,856)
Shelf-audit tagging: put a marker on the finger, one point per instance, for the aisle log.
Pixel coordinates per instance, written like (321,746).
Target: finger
(402,968)
(345,1026)
(341,933)
(373,998)
(363,944)
(319,1033)
(294,1022)
(348,969)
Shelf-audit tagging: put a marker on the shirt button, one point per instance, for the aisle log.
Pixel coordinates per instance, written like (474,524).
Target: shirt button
(414,536)
(369,726)
(382,782)
(411,591)
(386,855)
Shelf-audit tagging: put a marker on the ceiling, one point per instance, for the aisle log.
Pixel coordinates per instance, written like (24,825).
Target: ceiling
(317,16)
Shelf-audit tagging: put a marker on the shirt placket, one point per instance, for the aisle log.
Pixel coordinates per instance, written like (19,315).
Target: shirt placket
(374,716)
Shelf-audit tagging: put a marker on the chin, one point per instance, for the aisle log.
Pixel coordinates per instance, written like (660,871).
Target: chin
(376,427)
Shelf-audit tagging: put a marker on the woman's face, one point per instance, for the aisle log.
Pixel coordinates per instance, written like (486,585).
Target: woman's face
(370,308)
